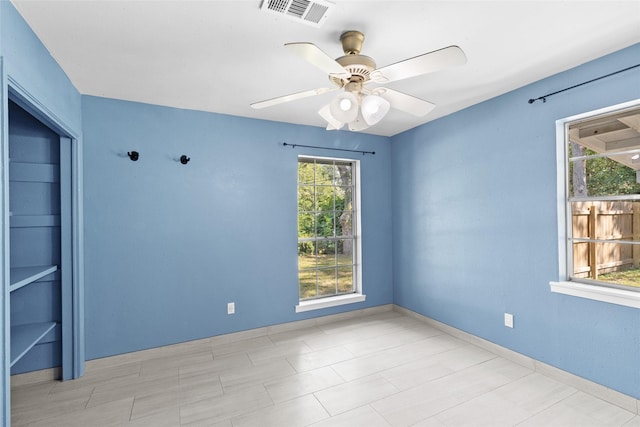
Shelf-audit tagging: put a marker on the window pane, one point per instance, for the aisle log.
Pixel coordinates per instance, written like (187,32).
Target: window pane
(324,174)
(344,224)
(603,176)
(306,255)
(344,198)
(307,280)
(325,224)
(606,220)
(343,175)
(614,263)
(307,269)
(345,279)
(326,281)
(306,198)
(324,198)
(305,172)
(344,249)
(326,252)
(306,225)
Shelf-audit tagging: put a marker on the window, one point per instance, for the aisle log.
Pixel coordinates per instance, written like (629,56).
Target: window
(328,232)
(599,220)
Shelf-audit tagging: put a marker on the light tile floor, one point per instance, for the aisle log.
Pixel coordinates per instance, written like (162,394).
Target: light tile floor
(386,369)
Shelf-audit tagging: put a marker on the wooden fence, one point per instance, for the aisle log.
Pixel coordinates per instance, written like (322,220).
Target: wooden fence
(605,220)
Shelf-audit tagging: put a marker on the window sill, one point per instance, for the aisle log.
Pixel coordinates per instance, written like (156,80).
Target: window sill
(598,293)
(317,304)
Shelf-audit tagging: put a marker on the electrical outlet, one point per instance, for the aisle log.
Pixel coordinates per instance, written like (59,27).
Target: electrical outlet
(231,308)
(508,320)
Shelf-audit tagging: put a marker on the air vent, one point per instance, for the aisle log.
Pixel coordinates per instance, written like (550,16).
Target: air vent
(311,12)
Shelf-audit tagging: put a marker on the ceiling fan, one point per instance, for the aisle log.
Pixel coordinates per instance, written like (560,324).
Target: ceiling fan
(361,103)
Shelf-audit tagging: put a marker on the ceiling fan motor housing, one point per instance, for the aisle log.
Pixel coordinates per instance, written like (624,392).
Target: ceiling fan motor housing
(352,42)
(359,66)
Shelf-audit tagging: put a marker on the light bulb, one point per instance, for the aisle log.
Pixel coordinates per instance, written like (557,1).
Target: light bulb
(345,104)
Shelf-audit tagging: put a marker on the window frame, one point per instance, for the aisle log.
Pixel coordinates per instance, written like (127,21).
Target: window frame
(357,294)
(583,288)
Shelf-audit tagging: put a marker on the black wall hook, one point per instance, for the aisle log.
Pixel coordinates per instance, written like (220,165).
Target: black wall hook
(133,155)
(184,159)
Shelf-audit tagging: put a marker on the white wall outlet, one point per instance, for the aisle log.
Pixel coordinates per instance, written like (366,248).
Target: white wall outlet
(231,308)
(508,320)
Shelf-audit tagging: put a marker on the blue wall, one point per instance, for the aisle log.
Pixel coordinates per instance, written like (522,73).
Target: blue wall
(31,68)
(168,245)
(475,229)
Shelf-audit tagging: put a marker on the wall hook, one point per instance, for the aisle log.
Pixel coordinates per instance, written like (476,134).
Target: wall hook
(133,155)
(184,159)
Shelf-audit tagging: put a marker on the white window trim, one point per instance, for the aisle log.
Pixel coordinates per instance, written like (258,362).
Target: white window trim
(319,303)
(564,285)
(358,295)
(598,293)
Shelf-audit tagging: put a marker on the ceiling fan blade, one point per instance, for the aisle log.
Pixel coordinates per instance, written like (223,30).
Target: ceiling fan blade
(312,54)
(291,97)
(423,64)
(407,103)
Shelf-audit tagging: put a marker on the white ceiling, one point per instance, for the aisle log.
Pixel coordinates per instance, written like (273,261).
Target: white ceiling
(221,56)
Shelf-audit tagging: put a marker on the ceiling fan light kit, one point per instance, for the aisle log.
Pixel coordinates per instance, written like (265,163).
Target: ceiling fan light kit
(360,105)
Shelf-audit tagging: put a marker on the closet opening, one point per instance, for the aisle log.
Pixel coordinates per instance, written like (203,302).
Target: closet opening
(44,255)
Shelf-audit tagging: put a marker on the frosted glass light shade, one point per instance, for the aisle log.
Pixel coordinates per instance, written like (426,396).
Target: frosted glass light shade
(344,107)
(374,108)
(332,123)
(358,124)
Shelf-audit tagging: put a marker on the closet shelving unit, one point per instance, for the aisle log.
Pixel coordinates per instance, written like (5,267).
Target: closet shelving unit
(35,241)
(24,337)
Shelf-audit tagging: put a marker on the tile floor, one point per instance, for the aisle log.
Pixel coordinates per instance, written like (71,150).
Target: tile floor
(386,369)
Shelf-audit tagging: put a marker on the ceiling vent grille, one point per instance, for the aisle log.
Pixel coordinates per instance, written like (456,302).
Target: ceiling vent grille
(311,12)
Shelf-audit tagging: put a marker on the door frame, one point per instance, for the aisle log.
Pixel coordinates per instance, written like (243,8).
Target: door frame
(73,342)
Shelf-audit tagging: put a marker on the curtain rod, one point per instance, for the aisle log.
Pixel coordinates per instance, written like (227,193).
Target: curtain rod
(328,148)
(544,97)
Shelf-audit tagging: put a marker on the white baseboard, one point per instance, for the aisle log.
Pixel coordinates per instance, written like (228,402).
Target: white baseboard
(138,356)
(614,397)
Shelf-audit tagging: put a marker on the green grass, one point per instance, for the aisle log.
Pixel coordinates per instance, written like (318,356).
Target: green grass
(626,277)
(326,278)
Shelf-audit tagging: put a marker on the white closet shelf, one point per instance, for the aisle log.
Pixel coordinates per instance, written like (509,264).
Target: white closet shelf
(24,337)
(21,276)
